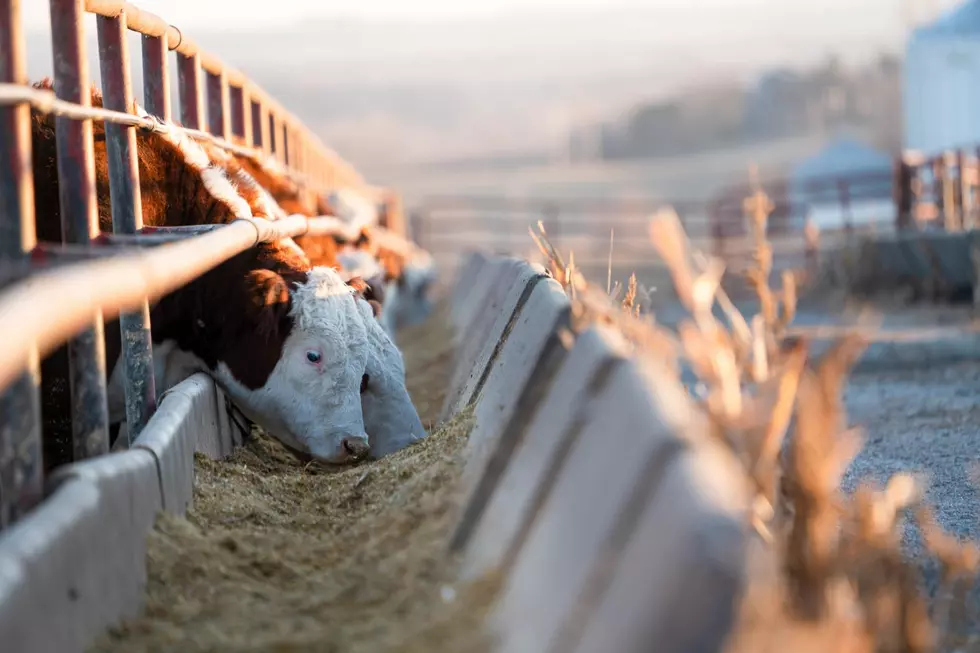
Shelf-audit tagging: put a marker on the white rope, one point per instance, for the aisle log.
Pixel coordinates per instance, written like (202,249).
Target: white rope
(47,102)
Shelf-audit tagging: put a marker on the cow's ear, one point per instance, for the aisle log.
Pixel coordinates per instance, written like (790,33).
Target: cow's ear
(268,302)
(367,292)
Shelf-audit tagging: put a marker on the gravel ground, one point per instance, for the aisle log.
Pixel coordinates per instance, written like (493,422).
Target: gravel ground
(923,420)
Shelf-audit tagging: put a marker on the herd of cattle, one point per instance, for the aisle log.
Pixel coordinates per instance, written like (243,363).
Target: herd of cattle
(299,333)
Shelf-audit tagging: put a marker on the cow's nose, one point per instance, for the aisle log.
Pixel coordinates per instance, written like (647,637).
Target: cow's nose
(357,447)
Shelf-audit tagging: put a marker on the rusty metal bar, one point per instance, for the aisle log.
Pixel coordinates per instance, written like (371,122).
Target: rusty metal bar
(189,90)
(127,218)
(21,468)
(285,145)
(156,77)
(259,138)
(217,93)
(236,98)
(273,141)
(844,200)
(79,224)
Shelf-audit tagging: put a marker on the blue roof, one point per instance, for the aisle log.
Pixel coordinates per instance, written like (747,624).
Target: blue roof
(961,20)
(843,156)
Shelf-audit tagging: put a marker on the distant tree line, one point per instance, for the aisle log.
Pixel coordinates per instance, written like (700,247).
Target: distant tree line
(782,103)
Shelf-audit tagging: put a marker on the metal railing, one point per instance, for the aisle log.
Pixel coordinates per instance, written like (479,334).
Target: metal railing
(54,294)
(939,192)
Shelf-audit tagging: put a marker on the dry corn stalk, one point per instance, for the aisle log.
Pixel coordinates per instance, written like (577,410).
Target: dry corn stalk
(845,583)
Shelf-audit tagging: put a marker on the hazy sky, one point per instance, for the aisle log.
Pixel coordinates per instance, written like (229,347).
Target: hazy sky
(204,13)
(251,12)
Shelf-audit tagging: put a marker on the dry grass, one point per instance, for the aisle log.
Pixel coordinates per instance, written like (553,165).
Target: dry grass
(826,571)
(278,555)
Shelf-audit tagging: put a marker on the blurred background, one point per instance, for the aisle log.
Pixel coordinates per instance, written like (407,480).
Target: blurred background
(487,115)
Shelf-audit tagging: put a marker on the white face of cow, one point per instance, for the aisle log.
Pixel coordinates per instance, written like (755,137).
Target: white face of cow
(312,399)
(389,415)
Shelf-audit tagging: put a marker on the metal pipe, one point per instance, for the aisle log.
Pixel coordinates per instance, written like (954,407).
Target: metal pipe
(21,468)
(79,224)
(236,102)
(217,93)
(285,145)
(156,77)
(273,141)
(189,90)
(258,131)
(127,218)
(54,306)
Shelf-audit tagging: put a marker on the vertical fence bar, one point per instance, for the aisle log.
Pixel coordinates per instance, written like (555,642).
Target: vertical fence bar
(844,201)
(285,144)
(189,89)
(237,110)
(156,77)
(218,114)
(79,223)
(902,191)
(21,468)
(259,139)
(127,217)
(245,107)
(273,145)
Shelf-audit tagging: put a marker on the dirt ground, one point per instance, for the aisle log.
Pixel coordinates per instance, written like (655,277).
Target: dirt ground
(278,555)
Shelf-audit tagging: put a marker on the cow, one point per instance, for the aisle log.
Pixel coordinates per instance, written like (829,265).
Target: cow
(296,348)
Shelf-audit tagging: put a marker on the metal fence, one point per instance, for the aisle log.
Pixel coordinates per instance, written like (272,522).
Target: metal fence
(57,293)
(941,192)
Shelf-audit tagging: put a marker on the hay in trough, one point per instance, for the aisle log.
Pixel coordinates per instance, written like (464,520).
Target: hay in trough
(282,555)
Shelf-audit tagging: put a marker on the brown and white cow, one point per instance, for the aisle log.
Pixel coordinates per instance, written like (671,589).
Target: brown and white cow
(295,346)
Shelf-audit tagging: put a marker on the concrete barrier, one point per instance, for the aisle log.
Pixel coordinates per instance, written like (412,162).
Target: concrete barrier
(77,564)
(636,429)
(469,272)
(533,333)
(933,264)
(471,290)
(227,435)
(678,579)
(491,534)
(518,377)
(187,412)
(488,329)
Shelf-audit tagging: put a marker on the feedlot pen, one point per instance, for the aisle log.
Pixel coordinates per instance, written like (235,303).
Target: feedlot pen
(278,554)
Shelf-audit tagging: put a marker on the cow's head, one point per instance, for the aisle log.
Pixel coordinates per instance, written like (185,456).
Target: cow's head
(310,341)
(414,304)
(390,417)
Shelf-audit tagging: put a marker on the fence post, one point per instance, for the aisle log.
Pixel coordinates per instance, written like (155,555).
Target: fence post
(245,111)
(79,223)
(273,141)
(127,217)
(189,90)
(844,197)
(156,77)
(259,131)
(902,190)
(286,160)
(939,189)
(219,123)
(21,468)
(968,184)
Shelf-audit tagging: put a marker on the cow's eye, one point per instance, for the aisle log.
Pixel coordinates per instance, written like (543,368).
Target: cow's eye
(313,356)
(364,382)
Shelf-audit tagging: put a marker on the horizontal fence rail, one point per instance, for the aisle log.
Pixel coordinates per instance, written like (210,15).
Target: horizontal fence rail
(53,293)
(807,215)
